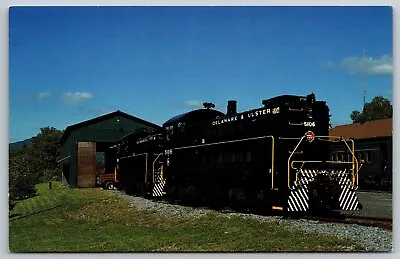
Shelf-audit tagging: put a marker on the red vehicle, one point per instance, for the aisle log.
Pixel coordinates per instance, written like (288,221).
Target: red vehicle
(108,181)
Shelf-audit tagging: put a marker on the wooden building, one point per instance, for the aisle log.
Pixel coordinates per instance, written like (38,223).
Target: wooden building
(373,147)
(86,147)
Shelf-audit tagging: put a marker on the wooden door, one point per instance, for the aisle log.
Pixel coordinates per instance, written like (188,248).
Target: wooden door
(86,164)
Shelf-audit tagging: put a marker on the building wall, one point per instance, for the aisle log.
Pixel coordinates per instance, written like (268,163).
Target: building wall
(377,156)
(66,166)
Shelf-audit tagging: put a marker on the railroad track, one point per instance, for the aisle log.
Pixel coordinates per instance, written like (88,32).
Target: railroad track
(336,217)
(383,223)
(332,217)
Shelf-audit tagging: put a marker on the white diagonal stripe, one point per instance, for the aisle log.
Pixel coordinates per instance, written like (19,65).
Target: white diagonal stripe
(301,202)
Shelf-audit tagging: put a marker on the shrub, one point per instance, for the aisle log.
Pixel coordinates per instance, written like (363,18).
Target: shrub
(21,180)
(21,187)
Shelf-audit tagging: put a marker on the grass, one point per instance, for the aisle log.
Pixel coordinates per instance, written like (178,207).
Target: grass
(95,220)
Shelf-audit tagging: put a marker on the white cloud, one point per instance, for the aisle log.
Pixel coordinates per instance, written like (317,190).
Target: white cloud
(374,67)
(193,103)
(43,95)
(76,97)
(382,69)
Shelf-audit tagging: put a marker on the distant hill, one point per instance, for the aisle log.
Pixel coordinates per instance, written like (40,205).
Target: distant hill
(19,144)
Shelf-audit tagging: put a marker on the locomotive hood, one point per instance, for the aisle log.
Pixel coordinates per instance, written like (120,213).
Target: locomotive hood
(195,115)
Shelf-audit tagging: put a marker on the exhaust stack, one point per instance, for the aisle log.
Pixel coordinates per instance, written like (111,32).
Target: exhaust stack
(231,109)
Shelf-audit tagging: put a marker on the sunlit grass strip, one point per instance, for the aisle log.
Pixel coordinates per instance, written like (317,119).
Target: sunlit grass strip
(93,220)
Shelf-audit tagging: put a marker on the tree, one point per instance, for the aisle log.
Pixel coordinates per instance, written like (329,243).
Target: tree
(357,116)
(33,164)
(379,108)
(45,150)
(22,176)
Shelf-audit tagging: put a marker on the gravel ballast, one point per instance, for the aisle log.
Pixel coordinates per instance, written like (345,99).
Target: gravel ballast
(371,238)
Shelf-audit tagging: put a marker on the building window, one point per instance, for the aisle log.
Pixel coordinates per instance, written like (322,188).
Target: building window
(363,156)
(368,156)
(349,157)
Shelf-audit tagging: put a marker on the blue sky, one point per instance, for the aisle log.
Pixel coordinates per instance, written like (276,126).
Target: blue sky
(69,64)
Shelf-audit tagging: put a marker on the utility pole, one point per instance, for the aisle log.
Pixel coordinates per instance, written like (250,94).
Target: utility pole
(364,76)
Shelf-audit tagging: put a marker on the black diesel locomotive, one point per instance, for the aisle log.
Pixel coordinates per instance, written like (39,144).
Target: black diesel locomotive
(276,157)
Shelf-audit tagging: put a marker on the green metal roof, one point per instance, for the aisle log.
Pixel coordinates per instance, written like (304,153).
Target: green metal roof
(73,127)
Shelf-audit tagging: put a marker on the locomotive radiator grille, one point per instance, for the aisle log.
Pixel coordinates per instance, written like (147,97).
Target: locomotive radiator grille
(299,196)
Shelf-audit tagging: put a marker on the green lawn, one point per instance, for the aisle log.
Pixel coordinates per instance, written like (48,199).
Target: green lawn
(95,220)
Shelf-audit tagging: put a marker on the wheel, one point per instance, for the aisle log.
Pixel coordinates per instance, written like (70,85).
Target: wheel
(109,185)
